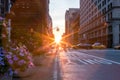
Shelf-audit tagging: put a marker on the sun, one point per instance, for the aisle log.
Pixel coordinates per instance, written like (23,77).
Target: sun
(57,39)
(57,35)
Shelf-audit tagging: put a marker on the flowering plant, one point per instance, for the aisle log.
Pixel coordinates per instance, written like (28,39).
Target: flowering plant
(19,58)
(3,61)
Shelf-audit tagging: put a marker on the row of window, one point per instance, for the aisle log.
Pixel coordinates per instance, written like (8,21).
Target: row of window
(94,2)
(98,1)
(101,6)
(2,1)
(94,34)
(119,38)
(99,33)
(119,27)
(91,14)
(2,10)
(110,29)
(4,6)
(97,21)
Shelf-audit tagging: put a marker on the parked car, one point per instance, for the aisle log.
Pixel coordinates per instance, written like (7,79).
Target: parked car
(117,46)
(98,45)
(84,46)
(74,46)
(87,46)
(80,45)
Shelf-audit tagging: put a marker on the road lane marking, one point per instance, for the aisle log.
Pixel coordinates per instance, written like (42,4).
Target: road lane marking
(88,61)
(92,61)
(102,58)
(96,60)
(55,74)
(82,61)
(102,61)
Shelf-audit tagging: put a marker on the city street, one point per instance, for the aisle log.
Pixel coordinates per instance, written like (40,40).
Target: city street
(59,39)
(89,65)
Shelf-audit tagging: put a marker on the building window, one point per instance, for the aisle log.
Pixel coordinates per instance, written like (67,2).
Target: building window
(99,1)
(99,6)
(2,1)
(104,31)
(95,2)
(109,15)
(2,10)
(109,29)
(108,0)
(119,27)
(110,6)
(103,2)
(104,11)
(103,19)
(99,32)
(119,38)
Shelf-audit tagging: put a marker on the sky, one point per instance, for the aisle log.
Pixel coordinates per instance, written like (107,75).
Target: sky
(57,12)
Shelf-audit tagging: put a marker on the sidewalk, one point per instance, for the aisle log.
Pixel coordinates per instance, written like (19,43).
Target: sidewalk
(42,71)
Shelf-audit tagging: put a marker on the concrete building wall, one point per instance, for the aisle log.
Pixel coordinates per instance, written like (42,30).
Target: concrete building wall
(28,17)
(69,20)
(99,21)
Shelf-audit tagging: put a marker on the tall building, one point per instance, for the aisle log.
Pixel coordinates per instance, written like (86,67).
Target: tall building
(100,21)
(75,26)
(29,13)
(29,17)
(71,25)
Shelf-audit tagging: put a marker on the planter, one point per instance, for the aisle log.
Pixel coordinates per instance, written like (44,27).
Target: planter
(37,60)
(27,73)
(6,76)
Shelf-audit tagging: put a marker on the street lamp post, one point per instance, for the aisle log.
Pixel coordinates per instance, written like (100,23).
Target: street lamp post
(1,23)
(9,30)
(9,22)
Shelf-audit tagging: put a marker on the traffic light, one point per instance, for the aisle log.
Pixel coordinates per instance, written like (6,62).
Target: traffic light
(57,29)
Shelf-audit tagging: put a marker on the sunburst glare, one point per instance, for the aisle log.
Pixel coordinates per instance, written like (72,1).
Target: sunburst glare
(57,38)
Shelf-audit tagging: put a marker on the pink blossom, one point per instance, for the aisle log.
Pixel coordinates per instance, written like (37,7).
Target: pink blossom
(21,62)
(9,56)
(10,61)
(15,58)
(21,54)
(10,53)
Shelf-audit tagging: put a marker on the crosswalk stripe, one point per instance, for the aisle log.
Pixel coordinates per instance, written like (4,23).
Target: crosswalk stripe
(94,61)
(102,61)
(82,61)
(90,62)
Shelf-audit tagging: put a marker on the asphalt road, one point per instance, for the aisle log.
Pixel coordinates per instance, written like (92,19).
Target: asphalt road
(90,65)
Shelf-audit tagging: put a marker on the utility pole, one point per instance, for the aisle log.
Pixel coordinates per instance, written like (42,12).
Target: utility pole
(9,21)
(1,23)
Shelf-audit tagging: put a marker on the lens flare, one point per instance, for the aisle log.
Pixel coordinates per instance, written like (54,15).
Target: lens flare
(57,39)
